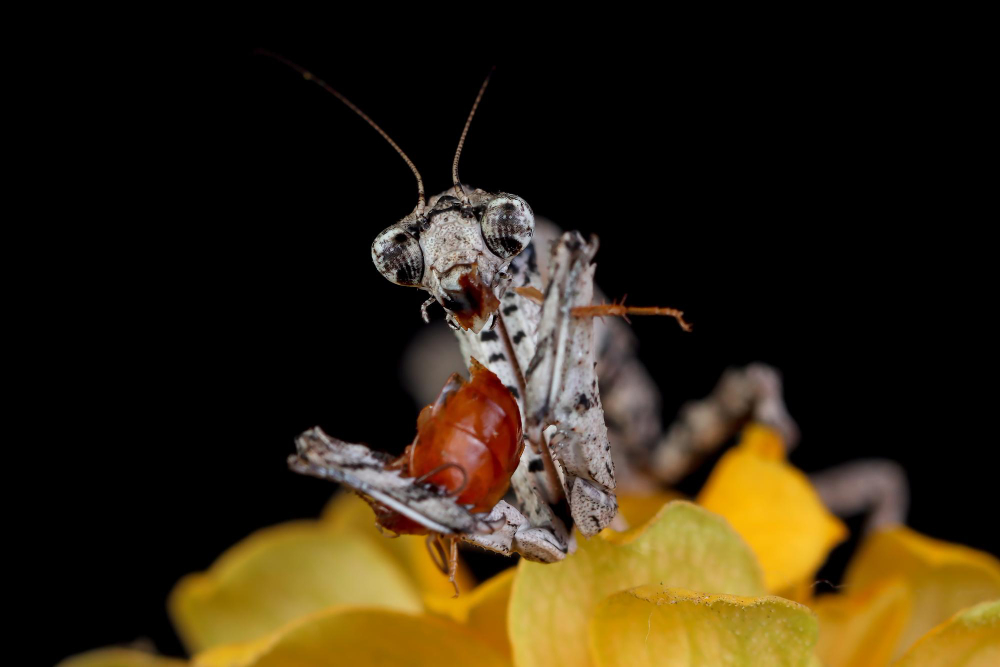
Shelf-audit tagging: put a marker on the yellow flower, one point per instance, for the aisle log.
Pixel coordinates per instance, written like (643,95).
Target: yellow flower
(775,509)
(899,585)
(687,584)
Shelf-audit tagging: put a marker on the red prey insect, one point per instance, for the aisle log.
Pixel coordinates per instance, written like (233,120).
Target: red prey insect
(468,445)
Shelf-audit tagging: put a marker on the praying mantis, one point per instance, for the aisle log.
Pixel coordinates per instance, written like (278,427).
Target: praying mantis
(519,295)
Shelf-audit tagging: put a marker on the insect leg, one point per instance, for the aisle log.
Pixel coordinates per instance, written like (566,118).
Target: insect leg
(514,533)
(742,394)
(433,544)
(877,487)
(370,474)
(506,351)
(423,309)
(562,387)
(621,310)
(453,562)
(630,398)
(520,316)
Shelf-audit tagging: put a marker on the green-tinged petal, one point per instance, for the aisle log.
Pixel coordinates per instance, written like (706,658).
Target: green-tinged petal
(656,625)
(943,578)
(280,573)
(684,546)
(774,507)
(346,511)
(862,628)
(361,636)
(120,657)
(970,638)
(483,611)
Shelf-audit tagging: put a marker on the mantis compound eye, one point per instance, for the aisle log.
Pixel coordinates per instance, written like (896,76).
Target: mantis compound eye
(398,257)
(507,225)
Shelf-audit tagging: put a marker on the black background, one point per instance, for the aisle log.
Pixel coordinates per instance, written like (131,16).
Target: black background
(793,207)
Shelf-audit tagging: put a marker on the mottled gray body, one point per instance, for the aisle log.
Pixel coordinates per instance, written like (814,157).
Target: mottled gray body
(546,357)
(563,390)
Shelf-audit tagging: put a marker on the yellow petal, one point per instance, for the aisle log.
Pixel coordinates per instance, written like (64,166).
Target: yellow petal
(773,506)
(970,638)
(120,657)
(364,636)
(656,625)
(763,441)
(862,628)
(636,510)
(483,611)
(944,578)
(683,546)
(233,655)
(281,573)
(488,610)
(346,511)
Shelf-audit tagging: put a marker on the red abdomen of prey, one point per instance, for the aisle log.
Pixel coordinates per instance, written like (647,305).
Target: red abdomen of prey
(469,441)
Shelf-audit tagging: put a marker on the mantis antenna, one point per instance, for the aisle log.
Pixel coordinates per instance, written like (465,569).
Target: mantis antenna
(465,131)
(309,76)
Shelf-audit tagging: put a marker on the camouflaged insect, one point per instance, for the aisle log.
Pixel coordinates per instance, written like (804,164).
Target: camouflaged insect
(469,249)
(469,255)
(510,297)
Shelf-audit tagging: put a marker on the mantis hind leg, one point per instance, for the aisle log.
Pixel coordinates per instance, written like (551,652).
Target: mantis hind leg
(452,562)
(444,553)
